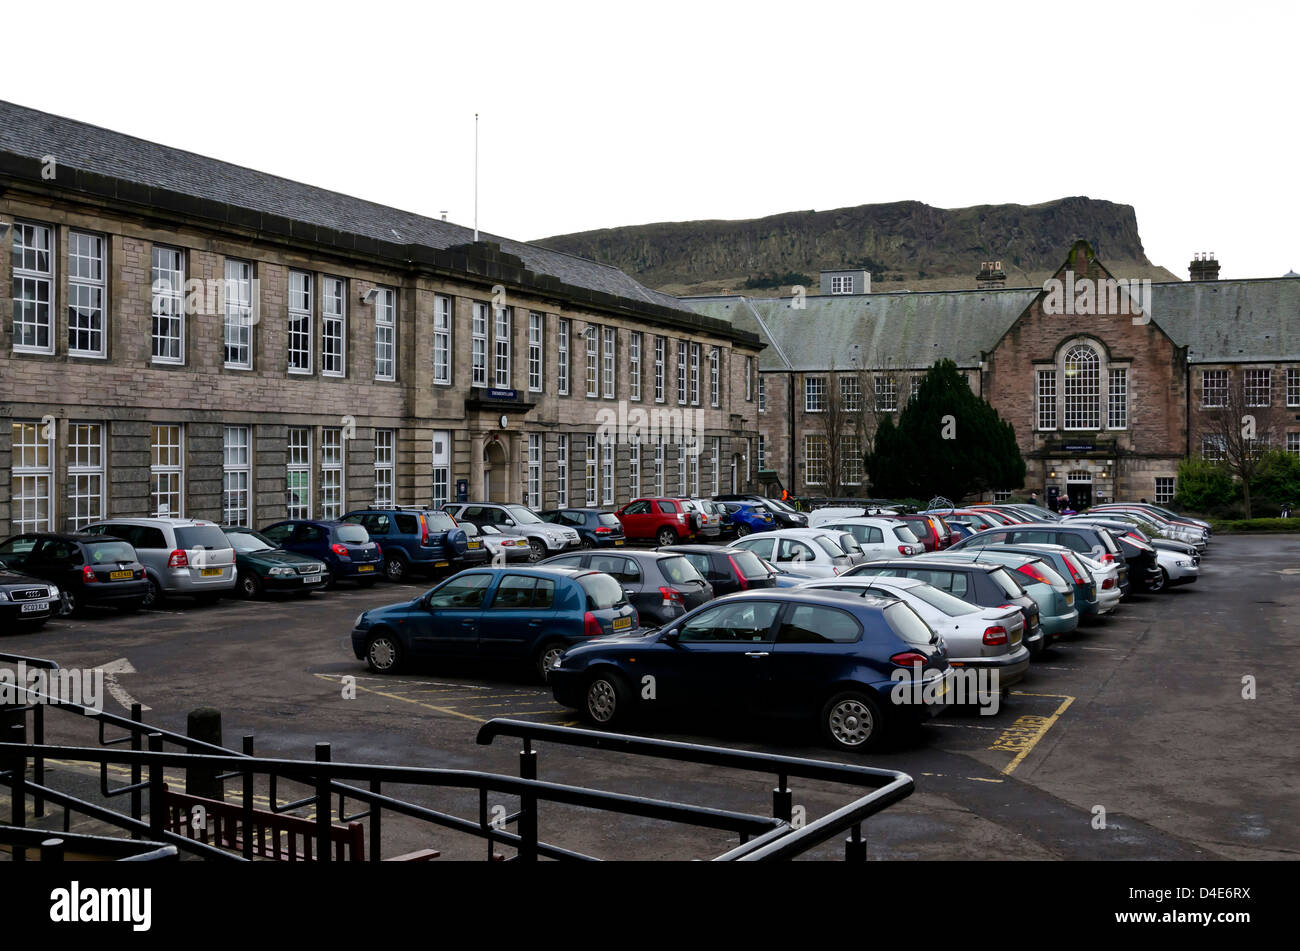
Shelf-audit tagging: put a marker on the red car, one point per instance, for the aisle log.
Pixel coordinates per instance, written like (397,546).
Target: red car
(664,520)
(933,531)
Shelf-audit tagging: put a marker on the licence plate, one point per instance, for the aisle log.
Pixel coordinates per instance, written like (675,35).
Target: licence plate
(622,623)
(365,567)
(31,607)
(436,564)
(475,544)
(121,575)
(210,572)
(618,541)
(311,579)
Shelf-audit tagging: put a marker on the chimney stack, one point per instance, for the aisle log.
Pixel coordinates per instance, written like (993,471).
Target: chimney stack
(1204,267)
(991,275)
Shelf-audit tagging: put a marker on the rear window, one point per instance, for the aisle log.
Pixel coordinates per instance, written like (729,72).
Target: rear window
(98,553)
(678,570)
(750,565)
(829,546)
(352,534)
(439,521)
(945,602)
(1052,575)
(602,592)
(905,534)
(201,536)
(609,520)
(907,624)
(1010,587)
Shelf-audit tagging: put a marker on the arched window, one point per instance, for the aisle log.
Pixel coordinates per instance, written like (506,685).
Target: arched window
(1082,388)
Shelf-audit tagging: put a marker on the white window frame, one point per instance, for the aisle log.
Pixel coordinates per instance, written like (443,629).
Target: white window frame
(237,476)
(1167,486)
(1213,448)
(167,302)
(592,338)
(850,394)
(749,379)
(384,467)
(886,388)
(1081,391)
(562,470)
(659,465)
(32,465)
(693,470)
(333,491)
(607,472)
(634,344)
(334,327)
(715,376)
(1117,398)
(503,324)
(1045,393)
(762,452)
(851,468)
(1293,386)
(441,456)
(298,462)
(681,468)
(717,464)
(1221,381)
(300,331)
(634,469)
(1292,446)
(167,462)
(386,334)
(442,322)
(36,279)
(1257,387)
(87,293)
(238,322)
(592,472)
(682,360)
(563,337)
(87,473)
(536,358)
(610,344)
(814,472)
(534,499)
(762,393)
(661,364)
(842,284)
(814,394)
(695,374)
(478,344)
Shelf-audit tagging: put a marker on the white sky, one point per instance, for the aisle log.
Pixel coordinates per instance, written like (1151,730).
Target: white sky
(604,114)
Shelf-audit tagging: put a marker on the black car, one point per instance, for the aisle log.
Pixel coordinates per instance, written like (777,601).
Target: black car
(728,569)
(25,602)
(785,516)
(87,569)
(597,529)
(662,586)
(989,586)
(263,567)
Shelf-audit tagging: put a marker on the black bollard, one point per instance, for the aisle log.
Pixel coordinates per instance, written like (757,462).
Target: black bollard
(204,724)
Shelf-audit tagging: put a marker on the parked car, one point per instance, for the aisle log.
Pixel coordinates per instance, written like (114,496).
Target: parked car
(529,614)
(501,549)
(1067,565)
(930,530)
(784,577)
(704,523)
(263,567)
(26,603)
(849,543)
(1106,577)
(784,514)
(416,539)
(987,585)
(1095,542)
(662,586)
(719,511)
(1176,529)
(882,537)
(664,520)
(976,636)
(814,656)
(726,569)
(181,556)
(973,520)
(345,547)
(1160,510)
(1144,556)
(1057,612)
(544,538)
(811,551)
(749,517)
(87,569)
(596,529)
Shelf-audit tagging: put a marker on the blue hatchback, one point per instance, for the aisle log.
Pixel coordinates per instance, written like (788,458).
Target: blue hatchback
(496,614)
(861,668)
(346,549)
(749,517)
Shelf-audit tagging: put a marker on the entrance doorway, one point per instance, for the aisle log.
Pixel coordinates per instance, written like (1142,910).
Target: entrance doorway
(1078,486)
(494,472)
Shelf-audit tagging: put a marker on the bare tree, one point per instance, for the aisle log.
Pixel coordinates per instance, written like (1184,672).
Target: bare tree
(1239,432)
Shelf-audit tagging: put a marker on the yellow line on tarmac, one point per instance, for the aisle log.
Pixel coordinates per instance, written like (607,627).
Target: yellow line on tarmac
(1025,738)
(428,706)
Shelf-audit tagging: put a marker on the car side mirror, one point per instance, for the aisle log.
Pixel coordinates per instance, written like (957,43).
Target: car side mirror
(509,521)
(670,636)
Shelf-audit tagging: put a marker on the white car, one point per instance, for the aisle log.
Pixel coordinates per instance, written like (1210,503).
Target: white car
(1106,578)
(808,551)
(880,537)
(976,636)
(823,516)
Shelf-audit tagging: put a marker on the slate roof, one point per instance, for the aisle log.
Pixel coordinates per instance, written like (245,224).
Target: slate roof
(32,134)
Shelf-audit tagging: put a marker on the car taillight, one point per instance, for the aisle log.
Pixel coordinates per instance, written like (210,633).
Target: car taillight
(590,626)
(88,574)
(904,549)
(1107,558)
(681,516)
(178,559)
(603,531)
(740,575)
(995,635)
(671,597)
(424,531)
(1078,579)
(909,659)
(1034,573)
(339,549)
(1108,584)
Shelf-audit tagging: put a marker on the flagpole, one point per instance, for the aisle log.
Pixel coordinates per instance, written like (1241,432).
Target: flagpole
(476,176)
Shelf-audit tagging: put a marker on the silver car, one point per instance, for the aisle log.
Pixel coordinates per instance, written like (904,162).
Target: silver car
(544,538)
(808,551)
(184,556)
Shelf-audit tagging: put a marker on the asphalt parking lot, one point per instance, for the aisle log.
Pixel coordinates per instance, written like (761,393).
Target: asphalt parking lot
(1139,720)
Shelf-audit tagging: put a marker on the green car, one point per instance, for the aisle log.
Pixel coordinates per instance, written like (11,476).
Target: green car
(262,567)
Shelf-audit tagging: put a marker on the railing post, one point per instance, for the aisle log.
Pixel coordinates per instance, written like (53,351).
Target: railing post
(855,846)
(528,805)
(157,794)
(782,799)
(18,784)
(248,801)
(38,761)
(52,850)
(137,715)
(323,806)
(376,826)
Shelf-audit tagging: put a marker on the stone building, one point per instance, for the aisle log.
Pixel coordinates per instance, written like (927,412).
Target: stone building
(184,336)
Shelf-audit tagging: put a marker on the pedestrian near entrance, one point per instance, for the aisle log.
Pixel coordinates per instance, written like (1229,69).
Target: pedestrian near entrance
(1033,498)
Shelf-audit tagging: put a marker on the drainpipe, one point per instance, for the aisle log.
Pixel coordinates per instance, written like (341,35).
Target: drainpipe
(790,400)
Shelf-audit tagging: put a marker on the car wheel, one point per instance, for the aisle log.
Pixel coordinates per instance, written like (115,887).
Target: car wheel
(742,530)
(1158,584)
(607,699)
(330,581)
(383,653)
(395,567)
(666,536)
(536,550)
(152,594)
(250,586)
(69,604)
(548,656)
(588,544)
(851,721)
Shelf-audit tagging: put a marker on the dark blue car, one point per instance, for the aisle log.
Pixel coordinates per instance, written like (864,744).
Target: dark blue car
(347,550)
(422,540)
(847,664)
(597,529)
(749,517)
(496,614)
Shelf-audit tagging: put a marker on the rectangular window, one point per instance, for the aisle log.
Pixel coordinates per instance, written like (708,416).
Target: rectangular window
(441,467)
(167,472)
(593,369)
(842,284)
(634,366)
(886,394)
(534,471)
(1165,485)
(31,500)
(237,477)
(592,470)
(1047,399)
(814,456)
(681,371)
(298,470)
(1001,495)
(762,453)
(1117,418)
(331,473)
(300,332)
(386,334)
(607,473)
(86,292)
(814,394)
(661,361)
(1292,386)
(693,466)
(504,323)
(1259,387)
(715,372)
(33,277)
(1213,449)
(634,469)
(536,339)
(762,393)
(695,374)
(385,456)
(562,372)
(442,340)
(1214,387)
(681,468)
(1292,444)
(850,460)
(85,474)
(749,379)
(239,314)
(168,305)
(717,465)
(851,394)
(562,470)
(659,465)
(607,366)
(478,344)
(916,386)
(334,326)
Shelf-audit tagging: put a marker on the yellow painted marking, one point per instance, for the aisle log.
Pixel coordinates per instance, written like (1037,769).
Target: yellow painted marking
(428,706)
(1023,735)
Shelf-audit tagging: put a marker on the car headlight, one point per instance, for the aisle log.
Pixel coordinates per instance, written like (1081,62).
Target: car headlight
(281,572)
(1185,564)
(3,596)
(360,621)
(54,592)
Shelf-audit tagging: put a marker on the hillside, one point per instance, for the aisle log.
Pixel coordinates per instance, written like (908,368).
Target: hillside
(904,244)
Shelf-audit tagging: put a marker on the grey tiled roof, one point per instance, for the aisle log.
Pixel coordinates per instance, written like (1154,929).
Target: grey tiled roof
(78,145)
(1257,320)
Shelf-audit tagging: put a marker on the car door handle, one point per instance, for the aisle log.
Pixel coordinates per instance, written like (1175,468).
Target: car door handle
(757,653)
(467,623)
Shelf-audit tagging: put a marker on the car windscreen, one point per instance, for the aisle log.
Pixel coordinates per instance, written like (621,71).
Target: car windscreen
(248,541)
(201,536)
(778,504)
(907,624)
(609,520)
(101,553)
(678,570)
(352,534)
(1010,587)
(945,602)
(602,592)
(523,516)
(749,564)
